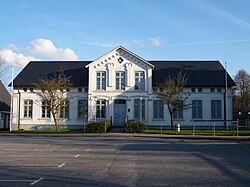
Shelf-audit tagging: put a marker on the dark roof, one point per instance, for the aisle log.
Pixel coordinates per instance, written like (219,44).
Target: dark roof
(4,94)
(199,73)
(38,70)
(4,107)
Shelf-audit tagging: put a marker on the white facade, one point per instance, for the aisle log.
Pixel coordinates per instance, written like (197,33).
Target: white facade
(119,88)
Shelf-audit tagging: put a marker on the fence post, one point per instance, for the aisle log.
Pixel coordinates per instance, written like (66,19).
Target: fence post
(237,128)
(161,128)
(193,129)
(214,128)
(105,125)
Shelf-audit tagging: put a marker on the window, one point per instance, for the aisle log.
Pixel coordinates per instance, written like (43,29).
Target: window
(139,109)
(216,109)
(199,89)
(139,80)
(192,89)
(28,108)
(218,89)
(120,80)
(45,110)
(197,109)
(211,89)
(83,109)
(100,109)
(101,80)
(158,109)
(178,114)
(64,110)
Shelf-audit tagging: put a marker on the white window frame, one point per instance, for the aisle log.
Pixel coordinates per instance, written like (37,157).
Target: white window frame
(28,108)
(120,80)
(139,80)
(101,79)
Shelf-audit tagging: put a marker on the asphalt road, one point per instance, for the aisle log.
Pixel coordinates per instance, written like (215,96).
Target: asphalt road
(122,161)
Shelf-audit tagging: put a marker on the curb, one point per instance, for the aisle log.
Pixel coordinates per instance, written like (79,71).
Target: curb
(194,137)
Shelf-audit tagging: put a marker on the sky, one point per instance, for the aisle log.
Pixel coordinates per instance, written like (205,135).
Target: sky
(152,29)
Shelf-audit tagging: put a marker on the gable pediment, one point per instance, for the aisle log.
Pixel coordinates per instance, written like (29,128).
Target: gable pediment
(120,57)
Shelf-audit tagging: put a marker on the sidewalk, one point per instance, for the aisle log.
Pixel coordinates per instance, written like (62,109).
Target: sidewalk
(129,135)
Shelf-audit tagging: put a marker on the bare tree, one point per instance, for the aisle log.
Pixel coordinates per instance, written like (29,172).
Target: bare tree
(172,93)
(241,96)
(54,93)
(4,69)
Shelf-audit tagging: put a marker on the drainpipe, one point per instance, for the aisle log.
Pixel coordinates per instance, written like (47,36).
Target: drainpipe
(19,108)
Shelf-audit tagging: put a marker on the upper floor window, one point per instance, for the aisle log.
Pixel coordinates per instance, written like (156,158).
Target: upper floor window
(158,109)
(139,109)
(101,80)
(28,108)
(101,108)
(45,110)
(199,89)
(120,80)
(216,109)
(64,110)
(139,80)
(83,109)
(197,109)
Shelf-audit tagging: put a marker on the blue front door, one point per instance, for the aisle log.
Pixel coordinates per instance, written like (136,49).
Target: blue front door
(120,108)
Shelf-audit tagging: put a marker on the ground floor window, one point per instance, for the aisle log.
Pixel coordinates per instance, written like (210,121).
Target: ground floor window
(139,109)
(28,108)
(45,110)
(178,114)
(83,109)
(158,109)
(64,110)
(197,109)
(100,109)
(216,109)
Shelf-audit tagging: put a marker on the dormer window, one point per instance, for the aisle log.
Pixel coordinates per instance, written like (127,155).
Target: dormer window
(101,80)
(139,80)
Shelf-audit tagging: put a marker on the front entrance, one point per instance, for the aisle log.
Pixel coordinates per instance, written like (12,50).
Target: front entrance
(120,108)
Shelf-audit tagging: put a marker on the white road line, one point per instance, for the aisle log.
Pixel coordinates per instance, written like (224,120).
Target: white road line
(77,156)
(36,181)
(87,149)
(61,165)
(9,180)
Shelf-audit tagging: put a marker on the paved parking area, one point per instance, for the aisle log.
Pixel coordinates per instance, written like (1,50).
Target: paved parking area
(122,161)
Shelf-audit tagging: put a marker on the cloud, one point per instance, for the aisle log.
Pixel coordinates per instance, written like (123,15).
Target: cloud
(17,59)
(215,11)
(46,48)
(98,44)
(139,42)
(155,42)
(39,49)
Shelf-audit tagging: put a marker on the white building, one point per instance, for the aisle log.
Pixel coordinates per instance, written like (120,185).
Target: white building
(119,86)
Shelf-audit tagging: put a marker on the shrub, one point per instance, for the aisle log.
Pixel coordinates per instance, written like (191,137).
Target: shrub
(98,127)
(134,127)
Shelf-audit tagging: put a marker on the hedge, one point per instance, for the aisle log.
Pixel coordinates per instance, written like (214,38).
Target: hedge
(98,127)
(134,127)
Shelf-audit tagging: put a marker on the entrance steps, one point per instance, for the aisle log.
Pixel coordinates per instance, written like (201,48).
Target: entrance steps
(116,130)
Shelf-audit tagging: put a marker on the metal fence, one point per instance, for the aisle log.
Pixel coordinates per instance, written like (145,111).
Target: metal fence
(220,127)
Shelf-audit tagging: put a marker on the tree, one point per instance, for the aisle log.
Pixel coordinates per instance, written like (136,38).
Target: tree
(54,93)
(241,97)
(171,92)
(4,69)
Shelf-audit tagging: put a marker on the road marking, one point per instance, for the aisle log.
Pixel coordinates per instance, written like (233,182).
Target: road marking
(87,149)
(77,156)
(9,180)
(61,165)
(36,181)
